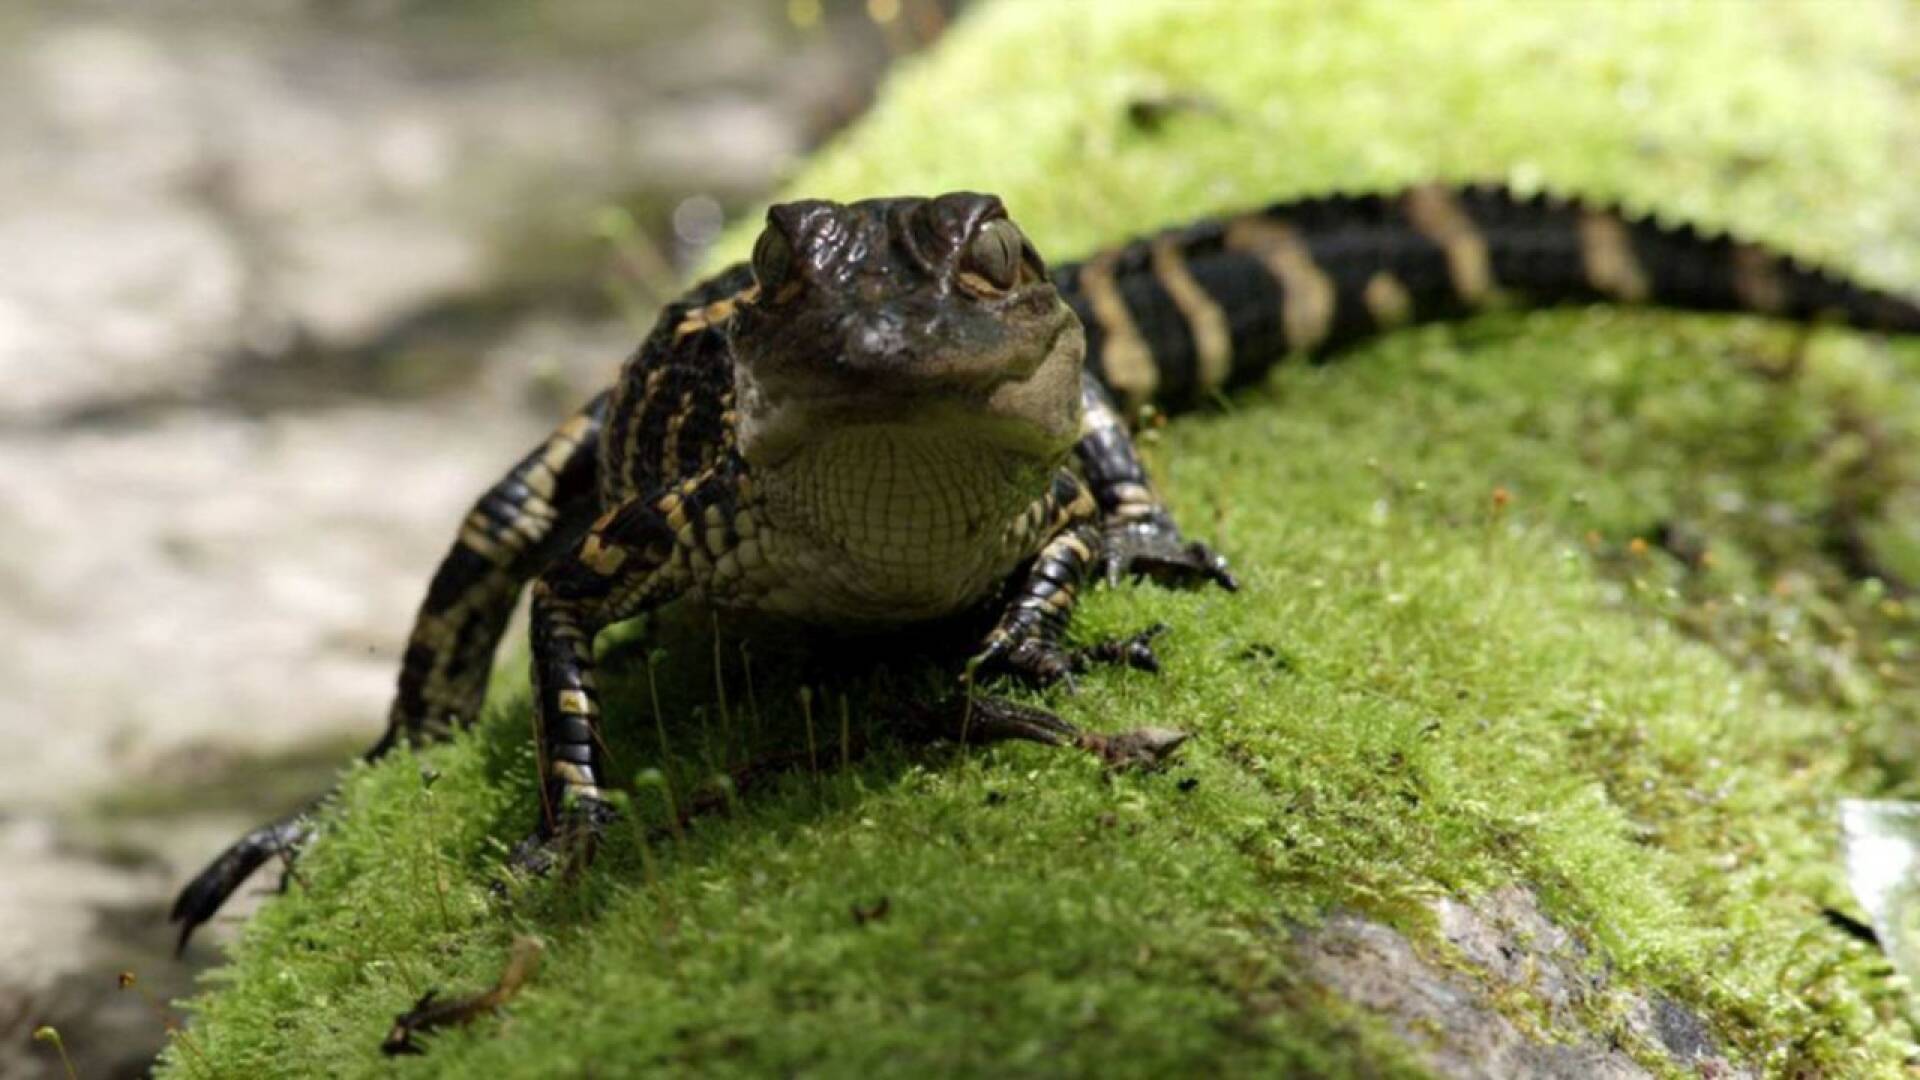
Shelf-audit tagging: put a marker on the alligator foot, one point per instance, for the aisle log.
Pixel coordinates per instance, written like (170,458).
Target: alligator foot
(979,720)
(211,888)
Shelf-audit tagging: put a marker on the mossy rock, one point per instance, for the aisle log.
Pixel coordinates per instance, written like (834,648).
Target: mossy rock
(1554,650)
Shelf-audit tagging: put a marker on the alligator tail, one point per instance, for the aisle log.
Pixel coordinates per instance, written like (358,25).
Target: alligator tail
(1178,315)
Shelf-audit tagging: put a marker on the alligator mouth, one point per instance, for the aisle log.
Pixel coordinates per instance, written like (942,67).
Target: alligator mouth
(799,425)
(956,368)
(1029,407)
(903,377)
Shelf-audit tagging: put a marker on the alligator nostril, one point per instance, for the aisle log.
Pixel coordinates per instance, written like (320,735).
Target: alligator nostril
(876,339)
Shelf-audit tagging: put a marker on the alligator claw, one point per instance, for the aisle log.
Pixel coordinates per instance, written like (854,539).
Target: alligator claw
(1134,650)
(569,841)
(1154,549)
(1032,661)
(1040,663)
(1142,748)
(982,720)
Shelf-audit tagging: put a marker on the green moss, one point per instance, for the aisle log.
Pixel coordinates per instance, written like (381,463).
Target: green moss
(1424,688)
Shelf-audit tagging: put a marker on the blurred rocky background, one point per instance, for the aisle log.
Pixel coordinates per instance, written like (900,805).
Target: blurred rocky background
(283,285)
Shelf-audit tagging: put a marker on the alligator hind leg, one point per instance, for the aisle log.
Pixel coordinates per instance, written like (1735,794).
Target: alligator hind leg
(538,510)
(1139,537)
(542,506)
(980,720)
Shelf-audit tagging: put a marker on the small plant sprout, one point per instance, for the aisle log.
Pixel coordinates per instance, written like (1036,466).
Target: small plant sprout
(128,981)
(728,793)
(966,716)
(720,692)
(706,735)
(540,769)
(753,701)
(432,842)
(655,658)
(47,1033)
(656,778)
(846,734)
(806,711)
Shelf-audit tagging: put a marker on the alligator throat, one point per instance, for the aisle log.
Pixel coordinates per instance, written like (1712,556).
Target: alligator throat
(893,522)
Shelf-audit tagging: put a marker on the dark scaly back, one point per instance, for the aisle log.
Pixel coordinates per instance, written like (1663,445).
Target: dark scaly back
(1180,314)
(668,416)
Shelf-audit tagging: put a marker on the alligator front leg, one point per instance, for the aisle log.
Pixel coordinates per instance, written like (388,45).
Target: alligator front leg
(1027,643)
(1138,535)
(573,811)
(637,556)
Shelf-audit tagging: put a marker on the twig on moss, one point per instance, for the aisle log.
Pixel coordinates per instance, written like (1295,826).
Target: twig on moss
(428,1013)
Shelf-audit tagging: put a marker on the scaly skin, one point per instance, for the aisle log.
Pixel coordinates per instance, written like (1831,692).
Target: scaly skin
(895,414)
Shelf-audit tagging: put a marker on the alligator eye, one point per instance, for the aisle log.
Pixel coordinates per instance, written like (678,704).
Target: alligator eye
(994,253)
(772,259)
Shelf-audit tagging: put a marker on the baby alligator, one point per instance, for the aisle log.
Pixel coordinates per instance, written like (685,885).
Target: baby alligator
(895,413)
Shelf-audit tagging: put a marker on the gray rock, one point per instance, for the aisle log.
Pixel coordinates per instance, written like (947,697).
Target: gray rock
(1446,1008)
